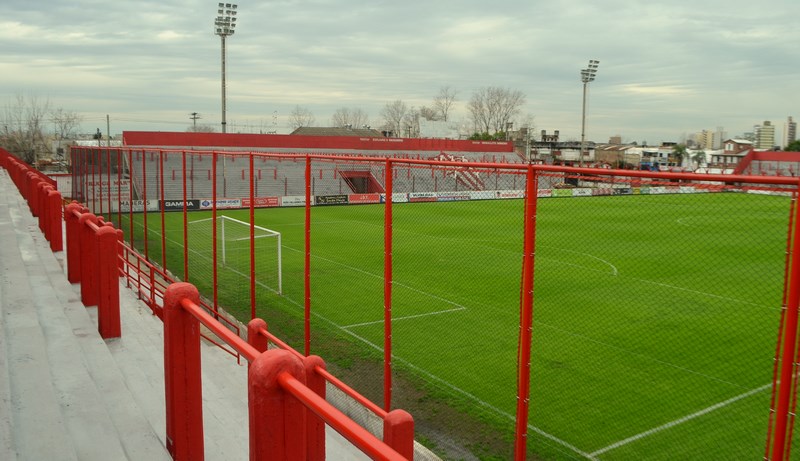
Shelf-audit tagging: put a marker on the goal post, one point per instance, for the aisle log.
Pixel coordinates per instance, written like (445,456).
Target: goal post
(233,249)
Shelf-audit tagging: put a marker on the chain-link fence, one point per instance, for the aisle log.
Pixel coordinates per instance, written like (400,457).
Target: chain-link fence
(513,309)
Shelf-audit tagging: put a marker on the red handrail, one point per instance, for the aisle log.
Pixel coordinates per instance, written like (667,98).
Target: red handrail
(184,400)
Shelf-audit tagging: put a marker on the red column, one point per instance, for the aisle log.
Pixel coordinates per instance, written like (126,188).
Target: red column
(88,259)
(254,336)
(784,392)
(73,242)
(526,317)
(398,432)
(274,413)
(387,291)
(182,380)
(108,281)
(54,210)
(315,427)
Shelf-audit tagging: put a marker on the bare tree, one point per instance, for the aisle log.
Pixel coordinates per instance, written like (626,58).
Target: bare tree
(429,113)
(202,128)
(301,116)
(393,114)
(345,117)
(23,128)
(492,108)
(65,123)
(411,123)
(444,101)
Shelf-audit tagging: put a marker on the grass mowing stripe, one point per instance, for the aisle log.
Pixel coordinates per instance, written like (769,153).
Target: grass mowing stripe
(615,355)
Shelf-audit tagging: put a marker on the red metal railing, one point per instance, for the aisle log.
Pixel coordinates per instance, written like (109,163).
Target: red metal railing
(780,424)
(397,424)
(283,390)
(93,261)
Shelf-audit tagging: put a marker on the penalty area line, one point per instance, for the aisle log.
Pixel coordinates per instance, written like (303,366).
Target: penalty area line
(682,420)
(407,317)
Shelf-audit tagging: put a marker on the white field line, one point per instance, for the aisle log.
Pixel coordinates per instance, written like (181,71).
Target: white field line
(428,374)
(408,364)
(681,420)
(614,270)
(408,317)
(703,293)
(458,307)
(590,456)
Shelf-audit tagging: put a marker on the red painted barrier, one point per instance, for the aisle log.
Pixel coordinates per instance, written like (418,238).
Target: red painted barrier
(287,407)
(183,387)
(71,214)
(108,282)
(54,231)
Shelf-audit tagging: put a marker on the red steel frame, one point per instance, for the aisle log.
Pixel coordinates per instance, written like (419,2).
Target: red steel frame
(788,348)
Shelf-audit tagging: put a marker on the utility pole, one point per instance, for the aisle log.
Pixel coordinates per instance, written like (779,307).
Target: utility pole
(194,117)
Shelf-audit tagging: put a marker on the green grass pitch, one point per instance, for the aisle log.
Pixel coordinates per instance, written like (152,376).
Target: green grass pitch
(655,317)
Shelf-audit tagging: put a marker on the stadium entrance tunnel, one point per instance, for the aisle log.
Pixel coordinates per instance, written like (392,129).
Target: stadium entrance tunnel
(362,182)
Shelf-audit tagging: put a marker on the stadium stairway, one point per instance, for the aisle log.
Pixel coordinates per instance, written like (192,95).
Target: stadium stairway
(67,394)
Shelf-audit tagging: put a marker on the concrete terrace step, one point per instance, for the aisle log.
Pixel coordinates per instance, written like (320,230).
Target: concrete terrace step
(67,394)
(67,399)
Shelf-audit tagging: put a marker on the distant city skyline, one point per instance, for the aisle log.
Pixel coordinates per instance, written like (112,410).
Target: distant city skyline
(667,70)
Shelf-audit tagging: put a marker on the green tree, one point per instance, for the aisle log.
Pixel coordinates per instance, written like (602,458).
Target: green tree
(699,158)
(793,146)
(679,152)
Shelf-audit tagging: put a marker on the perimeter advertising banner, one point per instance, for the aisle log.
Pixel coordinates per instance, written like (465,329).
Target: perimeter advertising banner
(396,198)
(261,202)
(562,193)
(364,198)
(452,196)
(422,197)
(207,204)
(116,189)
(177,205)
(136,206)
(293,200)
(503,194)
(340,199)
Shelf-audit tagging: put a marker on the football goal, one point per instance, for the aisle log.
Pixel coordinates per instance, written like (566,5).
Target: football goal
(233,249)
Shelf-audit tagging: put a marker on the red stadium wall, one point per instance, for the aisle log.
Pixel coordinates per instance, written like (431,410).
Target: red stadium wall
(282,141)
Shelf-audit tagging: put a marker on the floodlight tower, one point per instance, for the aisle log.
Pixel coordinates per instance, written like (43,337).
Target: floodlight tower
(224,26)
(587,75)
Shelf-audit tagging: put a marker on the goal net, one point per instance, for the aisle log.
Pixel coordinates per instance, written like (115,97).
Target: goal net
(233,250)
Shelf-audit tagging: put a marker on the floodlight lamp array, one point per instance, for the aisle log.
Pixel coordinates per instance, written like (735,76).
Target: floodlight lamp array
(588,74)
(225,23)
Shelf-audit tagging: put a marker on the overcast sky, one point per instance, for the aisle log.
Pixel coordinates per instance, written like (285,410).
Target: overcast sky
(667,68)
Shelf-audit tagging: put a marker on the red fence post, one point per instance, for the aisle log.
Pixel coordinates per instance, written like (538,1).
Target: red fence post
(387,289)
(787,365)
(526,316)
(42,189)
(30,191)
(88,260)
(73,242)
(54,210)
(398,432)
(274,413)
(315,426)
(108,281)
(183,385)
(254,336)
